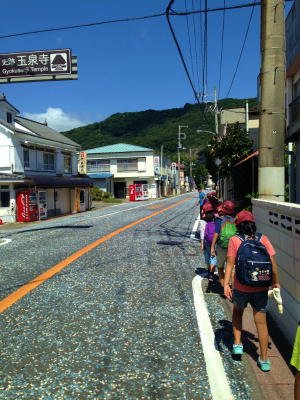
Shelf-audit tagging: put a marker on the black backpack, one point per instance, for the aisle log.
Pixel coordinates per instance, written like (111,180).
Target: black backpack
(253,262)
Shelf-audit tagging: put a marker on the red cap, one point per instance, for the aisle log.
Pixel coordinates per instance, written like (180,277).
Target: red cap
(228,207)
(243,216)
(208,207)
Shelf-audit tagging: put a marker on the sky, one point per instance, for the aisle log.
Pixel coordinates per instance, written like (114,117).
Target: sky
(128,66)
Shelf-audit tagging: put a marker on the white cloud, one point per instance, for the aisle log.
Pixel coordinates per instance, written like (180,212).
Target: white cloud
(57,119)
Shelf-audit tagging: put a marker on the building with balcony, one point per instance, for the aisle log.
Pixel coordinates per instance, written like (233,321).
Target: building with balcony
(293,86)
(37,158)
(113,168)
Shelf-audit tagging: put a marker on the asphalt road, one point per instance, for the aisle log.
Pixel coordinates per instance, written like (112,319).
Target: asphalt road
(118,320)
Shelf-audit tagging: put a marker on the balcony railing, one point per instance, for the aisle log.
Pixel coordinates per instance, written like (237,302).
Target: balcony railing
(294,109)
(98,168)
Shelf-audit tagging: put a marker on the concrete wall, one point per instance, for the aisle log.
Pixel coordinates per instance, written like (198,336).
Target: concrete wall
(281,223)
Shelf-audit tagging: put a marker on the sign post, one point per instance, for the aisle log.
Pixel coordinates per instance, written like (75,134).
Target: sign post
(40,65)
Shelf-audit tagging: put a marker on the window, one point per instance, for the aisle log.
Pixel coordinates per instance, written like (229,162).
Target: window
(296,89)
(4,196)
(81,196)
(9,117)
(130,164)
(67,164)
(26,158)
(48,161)
(98,165)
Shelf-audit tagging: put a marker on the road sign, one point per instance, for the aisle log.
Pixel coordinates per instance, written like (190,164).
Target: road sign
(38,65)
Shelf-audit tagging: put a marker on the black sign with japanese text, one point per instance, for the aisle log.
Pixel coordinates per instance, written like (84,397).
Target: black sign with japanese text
(35,63)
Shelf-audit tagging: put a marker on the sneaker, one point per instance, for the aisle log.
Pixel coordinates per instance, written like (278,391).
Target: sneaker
(210,277)
(237,349)
(264,365)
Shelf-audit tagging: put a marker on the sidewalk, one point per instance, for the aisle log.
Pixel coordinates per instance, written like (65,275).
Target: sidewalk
(278,384)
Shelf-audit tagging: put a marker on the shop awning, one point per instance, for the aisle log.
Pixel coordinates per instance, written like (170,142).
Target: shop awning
(101,176)
(247,158)
(61,181)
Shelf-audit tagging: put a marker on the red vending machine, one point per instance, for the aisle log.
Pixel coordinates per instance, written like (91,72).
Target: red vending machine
(27,207)
(136,192)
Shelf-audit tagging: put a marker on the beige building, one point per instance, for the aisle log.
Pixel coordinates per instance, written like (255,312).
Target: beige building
(114,168)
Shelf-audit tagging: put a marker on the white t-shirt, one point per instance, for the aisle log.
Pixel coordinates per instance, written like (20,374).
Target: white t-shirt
(201,228)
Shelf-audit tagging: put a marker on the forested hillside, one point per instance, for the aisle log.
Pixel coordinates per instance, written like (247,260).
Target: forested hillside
(153,128)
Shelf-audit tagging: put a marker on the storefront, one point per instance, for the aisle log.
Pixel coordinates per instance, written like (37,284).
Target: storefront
(43,197)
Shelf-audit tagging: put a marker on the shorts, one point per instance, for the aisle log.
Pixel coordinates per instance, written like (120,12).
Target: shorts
(222,255)
(257,300)
(295,361)
(209,259)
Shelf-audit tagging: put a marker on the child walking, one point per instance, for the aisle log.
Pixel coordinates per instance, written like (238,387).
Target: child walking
(207,230)
(251,284)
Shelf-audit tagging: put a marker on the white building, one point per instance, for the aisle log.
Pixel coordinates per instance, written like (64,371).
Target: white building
(113,168)
(35,157)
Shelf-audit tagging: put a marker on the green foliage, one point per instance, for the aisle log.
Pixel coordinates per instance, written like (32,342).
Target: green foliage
(230,149)
(153,128)
(98,194)
(200,175)
(112,200)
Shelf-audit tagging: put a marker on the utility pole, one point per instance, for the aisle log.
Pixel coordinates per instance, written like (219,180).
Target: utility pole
(216,112)
(161,167)
(272,104)
(180,134)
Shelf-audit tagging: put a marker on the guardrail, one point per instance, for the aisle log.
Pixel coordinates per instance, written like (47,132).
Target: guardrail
(281,223)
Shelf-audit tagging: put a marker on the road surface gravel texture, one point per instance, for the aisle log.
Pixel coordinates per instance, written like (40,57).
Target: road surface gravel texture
(117,323)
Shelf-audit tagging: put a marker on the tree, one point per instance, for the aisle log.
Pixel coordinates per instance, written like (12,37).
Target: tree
(230,149)
(200,173)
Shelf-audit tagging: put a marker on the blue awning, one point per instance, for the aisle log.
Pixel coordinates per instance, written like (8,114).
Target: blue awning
(101,176)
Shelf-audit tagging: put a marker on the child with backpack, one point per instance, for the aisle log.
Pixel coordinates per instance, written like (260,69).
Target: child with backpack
(206,236)
(253,256)
(224,230)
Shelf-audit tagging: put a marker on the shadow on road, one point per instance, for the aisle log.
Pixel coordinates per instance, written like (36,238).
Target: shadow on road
(50,228)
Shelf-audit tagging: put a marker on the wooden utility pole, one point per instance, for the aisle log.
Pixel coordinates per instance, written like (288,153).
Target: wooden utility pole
(272,102)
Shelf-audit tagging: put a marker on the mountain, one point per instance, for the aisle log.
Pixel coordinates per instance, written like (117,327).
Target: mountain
(152,128)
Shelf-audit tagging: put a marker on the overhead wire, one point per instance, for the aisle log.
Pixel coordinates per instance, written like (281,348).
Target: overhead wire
(196,51)
(170,12)
(222,46)
(167,13)
(205,49)
(241,52)
(189,41)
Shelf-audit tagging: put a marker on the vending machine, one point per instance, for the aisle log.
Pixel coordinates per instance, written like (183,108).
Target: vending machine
(138,192)
(42,205)
(27,206)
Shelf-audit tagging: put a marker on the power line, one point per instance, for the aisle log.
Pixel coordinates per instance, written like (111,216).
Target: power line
(112,21)
(201,46)
(189,38)
(205,49)
(170,12)
(241,52)
(221,55)
(167,13)
(196,52)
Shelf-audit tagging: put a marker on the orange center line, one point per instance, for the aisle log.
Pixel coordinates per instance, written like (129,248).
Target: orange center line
(28,287)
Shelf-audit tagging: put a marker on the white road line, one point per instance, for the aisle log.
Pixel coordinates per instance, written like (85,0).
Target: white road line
(4,241)
(132,208)
(126,209)
(218,381)
(195,228)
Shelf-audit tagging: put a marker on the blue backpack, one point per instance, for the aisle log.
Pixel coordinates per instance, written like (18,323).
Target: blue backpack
(209,232)
(253,263)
